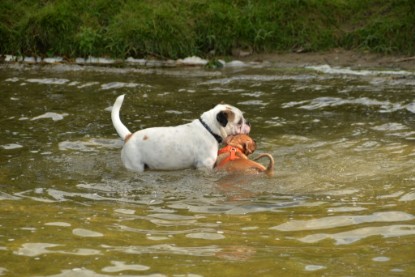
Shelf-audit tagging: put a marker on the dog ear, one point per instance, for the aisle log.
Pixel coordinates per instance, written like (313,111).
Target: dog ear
(249,147)
(222,118)
(246,148)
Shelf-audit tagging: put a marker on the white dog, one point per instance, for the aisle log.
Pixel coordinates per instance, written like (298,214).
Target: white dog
(194,144)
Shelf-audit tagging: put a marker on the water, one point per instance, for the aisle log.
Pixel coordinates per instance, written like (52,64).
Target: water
(342,201)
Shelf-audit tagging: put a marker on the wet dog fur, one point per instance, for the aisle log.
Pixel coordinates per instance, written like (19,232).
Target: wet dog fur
(242,163)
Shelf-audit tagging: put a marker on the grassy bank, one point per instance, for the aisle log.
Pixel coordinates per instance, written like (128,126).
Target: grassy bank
(175,29)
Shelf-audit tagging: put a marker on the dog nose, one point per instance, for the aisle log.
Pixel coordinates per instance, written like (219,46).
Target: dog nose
(248,123)
(246,128)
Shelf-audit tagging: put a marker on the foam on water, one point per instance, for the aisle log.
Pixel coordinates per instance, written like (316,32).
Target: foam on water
(253,103)
(78,84)
(348,71)
(258,78)
(117,85)
(393,126)
(51,115)
(11,146)
(48,81)
(331,102)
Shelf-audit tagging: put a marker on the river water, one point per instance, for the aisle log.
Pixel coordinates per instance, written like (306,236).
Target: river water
(341,203)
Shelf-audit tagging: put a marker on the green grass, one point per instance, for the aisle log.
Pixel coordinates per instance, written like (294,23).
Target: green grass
(175,29)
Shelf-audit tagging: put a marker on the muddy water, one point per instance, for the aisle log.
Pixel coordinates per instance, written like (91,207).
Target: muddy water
(342,201)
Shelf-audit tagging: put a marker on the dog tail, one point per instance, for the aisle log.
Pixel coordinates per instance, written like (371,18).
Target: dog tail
(270,168)
(122,131)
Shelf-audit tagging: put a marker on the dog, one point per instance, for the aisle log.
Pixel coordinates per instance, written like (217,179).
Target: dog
(233,157)
(191,145)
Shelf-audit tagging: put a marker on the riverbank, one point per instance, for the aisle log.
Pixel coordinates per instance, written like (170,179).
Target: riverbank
(337,58)
(333,58)
(205,28)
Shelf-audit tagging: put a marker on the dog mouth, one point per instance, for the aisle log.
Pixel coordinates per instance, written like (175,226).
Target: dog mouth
(245,128)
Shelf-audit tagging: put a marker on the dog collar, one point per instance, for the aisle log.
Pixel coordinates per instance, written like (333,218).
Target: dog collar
(217,137)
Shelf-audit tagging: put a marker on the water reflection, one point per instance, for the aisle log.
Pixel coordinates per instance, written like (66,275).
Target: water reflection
(358,234)
(340,221)
(37,249)
(343,190)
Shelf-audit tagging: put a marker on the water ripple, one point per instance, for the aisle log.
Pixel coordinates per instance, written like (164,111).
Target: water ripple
(36,249)
(258,78)
(339,221)
(199,251)
(330,102)
(349,237)
(118,266)
(363,72)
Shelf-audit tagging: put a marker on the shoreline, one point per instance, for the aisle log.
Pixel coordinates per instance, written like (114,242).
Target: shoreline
(337,58)
(333,58)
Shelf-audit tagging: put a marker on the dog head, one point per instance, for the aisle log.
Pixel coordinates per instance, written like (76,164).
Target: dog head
(243,142)
(226,120)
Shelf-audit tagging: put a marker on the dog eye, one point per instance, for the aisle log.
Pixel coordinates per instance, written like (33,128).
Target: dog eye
(240,122)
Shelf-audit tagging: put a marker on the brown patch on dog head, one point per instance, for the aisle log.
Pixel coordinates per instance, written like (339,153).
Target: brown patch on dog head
(231,115)
(244,142)
(223,117)
(249,146)
(145,137)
